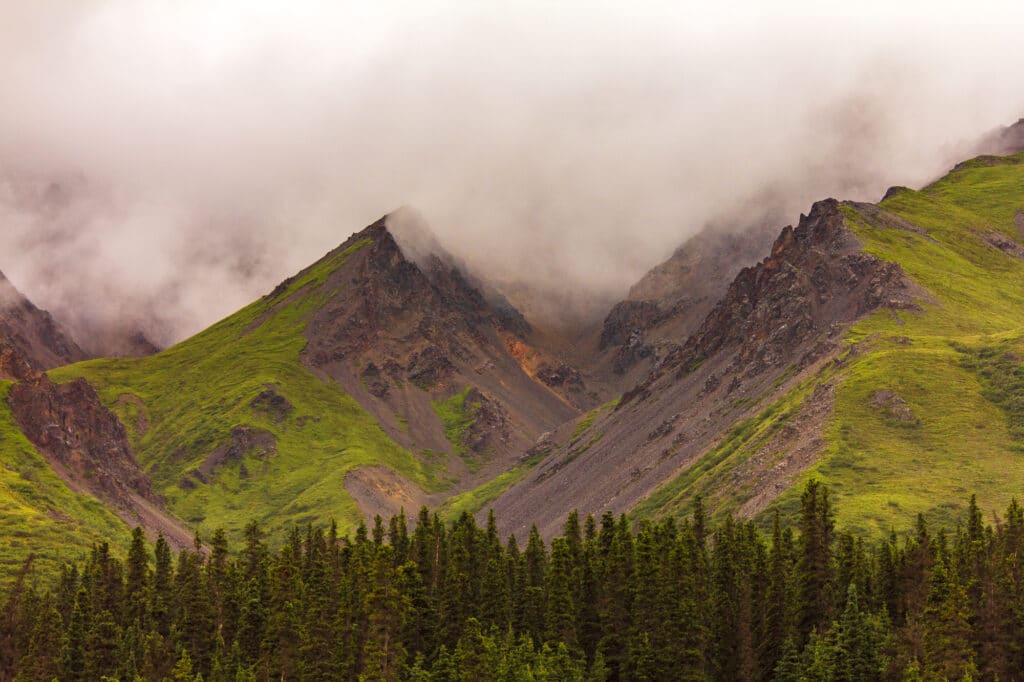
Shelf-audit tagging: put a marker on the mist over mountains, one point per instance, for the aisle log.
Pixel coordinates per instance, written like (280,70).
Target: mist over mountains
(162,165)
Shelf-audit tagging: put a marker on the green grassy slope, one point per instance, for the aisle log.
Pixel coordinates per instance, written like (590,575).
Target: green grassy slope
(183,403)
(39,514)
(947,363)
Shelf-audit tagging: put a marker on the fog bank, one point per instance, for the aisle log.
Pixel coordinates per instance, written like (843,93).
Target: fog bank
(163,163)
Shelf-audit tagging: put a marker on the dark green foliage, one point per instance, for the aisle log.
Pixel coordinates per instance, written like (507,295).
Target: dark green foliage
(671,601)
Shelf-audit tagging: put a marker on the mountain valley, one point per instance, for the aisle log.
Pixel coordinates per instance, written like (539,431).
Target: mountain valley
(872,346)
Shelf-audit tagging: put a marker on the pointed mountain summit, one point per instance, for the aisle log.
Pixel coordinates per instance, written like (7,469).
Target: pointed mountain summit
(381,377)
(672,299)
(407,332)
(777,321)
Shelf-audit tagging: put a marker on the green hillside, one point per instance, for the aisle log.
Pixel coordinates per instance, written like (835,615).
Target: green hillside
(183,404)
(39,514)
(954,369)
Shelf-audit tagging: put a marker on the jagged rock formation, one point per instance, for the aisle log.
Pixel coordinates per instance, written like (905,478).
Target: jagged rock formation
(31,341)
(816,276)
(82,440)
(401,332)
(778,321)
(68,423)
(86,445)
(665,307)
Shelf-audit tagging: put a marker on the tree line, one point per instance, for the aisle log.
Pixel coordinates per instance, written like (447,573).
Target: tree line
(668,600)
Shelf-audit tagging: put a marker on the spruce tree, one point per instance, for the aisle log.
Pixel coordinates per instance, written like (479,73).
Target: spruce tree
(815,567)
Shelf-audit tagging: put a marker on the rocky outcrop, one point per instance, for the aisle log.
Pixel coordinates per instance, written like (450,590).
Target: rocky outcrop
(13,364)
(245,440)
(777,323)
(272,404)
(668,303)
(87,447)
(81,438)
(31,341)
(816,276)
(561,376)
(491,428)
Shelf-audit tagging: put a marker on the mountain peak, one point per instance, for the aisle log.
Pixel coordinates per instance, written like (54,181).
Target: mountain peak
(415,238)
(8,294)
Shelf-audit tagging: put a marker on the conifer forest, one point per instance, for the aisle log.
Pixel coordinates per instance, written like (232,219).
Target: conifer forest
(684,600)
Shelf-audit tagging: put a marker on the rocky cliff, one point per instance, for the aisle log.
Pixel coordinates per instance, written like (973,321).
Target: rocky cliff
(406,330)
(86,445)
(778,321)
(670,301)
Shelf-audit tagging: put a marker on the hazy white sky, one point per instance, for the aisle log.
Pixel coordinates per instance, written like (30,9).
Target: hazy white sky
(207,149)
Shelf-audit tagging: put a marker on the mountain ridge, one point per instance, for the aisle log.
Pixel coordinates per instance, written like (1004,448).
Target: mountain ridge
(386,375)
(778,320)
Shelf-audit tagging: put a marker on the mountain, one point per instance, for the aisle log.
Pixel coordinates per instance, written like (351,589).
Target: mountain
(399,336)
(378,378)
(670,301)
(877,348)
(779,321)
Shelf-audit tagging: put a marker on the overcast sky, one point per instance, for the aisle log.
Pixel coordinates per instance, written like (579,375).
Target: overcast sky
(206,149)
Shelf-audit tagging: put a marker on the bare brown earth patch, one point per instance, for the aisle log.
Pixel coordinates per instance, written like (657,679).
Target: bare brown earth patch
(796,446)
(380,491)
(894,407)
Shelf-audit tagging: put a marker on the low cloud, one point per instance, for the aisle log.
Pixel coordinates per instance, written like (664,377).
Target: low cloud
(162,164)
